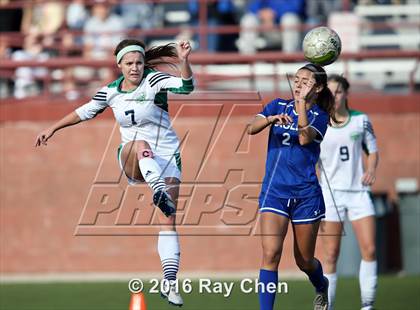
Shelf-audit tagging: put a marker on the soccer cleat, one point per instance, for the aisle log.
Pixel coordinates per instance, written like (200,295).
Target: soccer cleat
(172,295)
(321,298)
(164,202)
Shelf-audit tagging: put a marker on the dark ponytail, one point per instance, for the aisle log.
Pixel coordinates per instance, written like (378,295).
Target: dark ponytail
(343,82)
(325,98)
(154,56)
(326,101)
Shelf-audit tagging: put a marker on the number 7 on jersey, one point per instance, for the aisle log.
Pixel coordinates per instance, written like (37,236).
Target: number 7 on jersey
(133,120)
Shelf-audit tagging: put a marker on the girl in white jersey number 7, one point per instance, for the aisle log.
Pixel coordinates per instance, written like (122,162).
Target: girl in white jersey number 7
(149,151)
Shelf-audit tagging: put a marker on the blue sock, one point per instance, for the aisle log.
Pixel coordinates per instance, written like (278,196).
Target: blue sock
(266,298)
(317,278)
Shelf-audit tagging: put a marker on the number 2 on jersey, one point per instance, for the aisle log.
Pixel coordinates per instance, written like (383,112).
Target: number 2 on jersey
(286,138)
(344,153)
(133,121)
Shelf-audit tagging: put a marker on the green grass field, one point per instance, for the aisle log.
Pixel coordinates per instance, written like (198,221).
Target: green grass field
(394,293)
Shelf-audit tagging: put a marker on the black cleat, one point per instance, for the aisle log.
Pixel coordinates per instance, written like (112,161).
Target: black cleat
(164,202)
(321,298)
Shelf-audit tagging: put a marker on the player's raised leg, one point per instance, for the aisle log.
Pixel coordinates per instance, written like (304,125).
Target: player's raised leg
(331,239)
(364,230)
(138,164)
(273,230)
(304,250)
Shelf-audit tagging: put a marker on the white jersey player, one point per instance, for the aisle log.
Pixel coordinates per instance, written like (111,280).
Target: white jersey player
(346,188)
(342,153)
(143,115)
(149,151)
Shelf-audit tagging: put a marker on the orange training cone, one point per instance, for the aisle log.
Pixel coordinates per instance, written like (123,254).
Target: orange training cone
(137,302)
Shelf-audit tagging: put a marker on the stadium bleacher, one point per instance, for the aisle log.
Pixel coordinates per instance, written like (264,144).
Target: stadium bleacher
(378,28)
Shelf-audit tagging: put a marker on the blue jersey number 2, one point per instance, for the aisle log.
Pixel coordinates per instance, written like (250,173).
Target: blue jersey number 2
(286,138)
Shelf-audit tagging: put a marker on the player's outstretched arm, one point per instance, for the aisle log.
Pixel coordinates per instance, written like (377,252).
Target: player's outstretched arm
(261,122)
(184,50)
(68,120)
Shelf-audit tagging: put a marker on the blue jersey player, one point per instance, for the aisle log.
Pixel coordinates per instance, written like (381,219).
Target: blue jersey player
(290,190)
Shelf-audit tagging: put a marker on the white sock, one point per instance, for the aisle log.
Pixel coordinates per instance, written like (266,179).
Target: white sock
(152,173)
(168,248)
(368,278)
(332,287)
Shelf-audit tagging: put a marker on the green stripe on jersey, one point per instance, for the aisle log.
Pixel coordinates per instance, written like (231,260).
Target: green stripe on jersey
(355,112)
(119,151)
(186,88)
(178,161)
(116,82)
(161,100)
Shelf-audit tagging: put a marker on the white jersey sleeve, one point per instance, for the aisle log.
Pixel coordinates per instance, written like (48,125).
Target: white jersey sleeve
(95,106)
(369,138)
(163,81)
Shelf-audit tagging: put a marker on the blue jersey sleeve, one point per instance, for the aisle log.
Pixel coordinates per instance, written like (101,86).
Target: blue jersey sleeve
(320,124)
(270,109)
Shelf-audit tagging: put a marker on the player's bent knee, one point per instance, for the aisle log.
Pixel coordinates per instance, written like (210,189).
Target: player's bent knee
(304,264)
(144,153)
(369,253)
(271,256)
(331,256)
(143,149)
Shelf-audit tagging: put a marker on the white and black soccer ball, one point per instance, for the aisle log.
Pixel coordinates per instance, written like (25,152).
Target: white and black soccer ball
(321,46)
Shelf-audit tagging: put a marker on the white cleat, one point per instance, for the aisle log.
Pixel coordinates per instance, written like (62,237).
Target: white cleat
(171,293)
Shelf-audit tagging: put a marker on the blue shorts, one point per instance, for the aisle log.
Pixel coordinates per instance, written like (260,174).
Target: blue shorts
(298,210)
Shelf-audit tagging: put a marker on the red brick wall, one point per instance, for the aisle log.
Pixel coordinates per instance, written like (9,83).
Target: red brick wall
(43,193)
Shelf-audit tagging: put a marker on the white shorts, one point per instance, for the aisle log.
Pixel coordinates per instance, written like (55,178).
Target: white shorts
(357,204)
(170,165)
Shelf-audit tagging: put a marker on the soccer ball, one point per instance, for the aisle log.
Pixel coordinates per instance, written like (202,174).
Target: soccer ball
(321,46)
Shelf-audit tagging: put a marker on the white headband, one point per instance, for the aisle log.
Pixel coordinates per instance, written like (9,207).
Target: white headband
(127,49)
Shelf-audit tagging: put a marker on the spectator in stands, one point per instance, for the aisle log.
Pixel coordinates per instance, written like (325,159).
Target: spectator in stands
(267,14)
(137,15)
(25,77)
(221,12)
(102,31)
(76,15)
(43,19)
(170,15)
(317,11)
(5,81)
